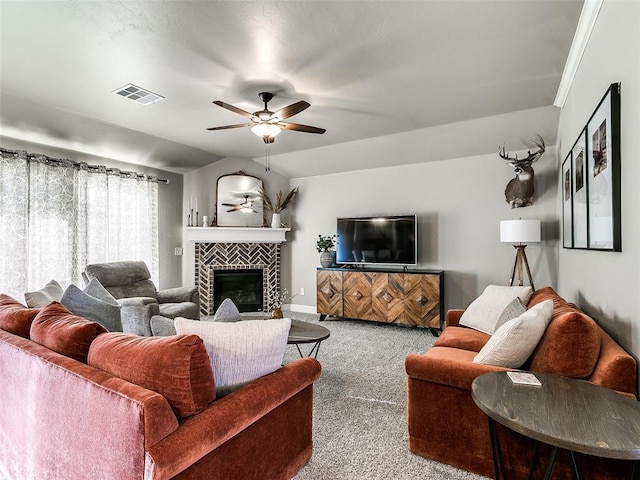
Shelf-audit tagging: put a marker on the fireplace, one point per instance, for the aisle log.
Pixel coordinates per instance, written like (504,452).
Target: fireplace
(214,258)
(243,286)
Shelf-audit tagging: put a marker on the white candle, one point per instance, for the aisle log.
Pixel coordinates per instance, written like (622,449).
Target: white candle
(191,204)
(196,204)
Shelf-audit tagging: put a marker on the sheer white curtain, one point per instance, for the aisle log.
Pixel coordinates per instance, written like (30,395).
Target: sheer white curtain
(58,216)
(13,222)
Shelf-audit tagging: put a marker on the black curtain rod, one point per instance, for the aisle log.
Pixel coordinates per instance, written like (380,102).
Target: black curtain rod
(89,167)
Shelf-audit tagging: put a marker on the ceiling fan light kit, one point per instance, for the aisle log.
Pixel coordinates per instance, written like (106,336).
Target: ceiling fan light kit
(266,130)
(267,124)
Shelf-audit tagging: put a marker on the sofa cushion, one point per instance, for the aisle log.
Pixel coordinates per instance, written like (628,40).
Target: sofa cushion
(463,338)
(511,345)
(485,311)
(59,330)
(176,367)
(94,303)
(182,309)
(227,312)
(241,351)
(569,347)
(15,317)
(51,292)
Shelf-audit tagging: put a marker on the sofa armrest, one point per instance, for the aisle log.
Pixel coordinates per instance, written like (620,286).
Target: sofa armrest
(178,295)
(453,317)
(447,366)
(228,416)
(136,313)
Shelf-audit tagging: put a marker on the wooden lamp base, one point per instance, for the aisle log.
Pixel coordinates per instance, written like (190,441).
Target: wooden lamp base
(521,259)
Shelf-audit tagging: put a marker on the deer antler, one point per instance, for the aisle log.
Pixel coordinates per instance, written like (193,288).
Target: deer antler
(505,156)
(531,157)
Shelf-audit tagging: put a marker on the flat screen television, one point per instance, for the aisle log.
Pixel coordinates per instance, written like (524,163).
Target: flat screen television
(387,240)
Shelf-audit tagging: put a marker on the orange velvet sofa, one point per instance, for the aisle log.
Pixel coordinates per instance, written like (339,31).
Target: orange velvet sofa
(445,424)
(62,418)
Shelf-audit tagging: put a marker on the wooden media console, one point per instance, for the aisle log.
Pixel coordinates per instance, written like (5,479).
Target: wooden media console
(387,296)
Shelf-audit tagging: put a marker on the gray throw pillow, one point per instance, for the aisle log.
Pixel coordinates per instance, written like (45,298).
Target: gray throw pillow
(162,326)
(51,292)
(95,303)
(511,311)
(227,312)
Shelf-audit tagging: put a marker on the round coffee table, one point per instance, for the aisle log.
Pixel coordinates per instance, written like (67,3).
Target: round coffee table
(566,413)
(300,333)
(306,332)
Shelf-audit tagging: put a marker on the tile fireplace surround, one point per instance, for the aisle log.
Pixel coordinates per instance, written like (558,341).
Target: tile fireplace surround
(232,248)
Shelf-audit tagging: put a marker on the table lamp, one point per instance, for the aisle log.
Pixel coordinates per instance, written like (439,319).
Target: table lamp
(520,232)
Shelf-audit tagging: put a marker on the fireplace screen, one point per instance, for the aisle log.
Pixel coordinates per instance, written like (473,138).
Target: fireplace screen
(243,287)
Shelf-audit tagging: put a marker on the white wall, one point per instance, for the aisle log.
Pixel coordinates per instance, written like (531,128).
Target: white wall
(459,203)
(169,203)
(606,284)
(201,184)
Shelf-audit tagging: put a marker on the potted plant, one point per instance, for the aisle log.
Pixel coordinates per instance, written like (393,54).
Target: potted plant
(279,205)
(326,247)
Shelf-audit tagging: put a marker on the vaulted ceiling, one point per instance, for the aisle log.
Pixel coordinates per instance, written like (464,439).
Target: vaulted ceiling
(369,69)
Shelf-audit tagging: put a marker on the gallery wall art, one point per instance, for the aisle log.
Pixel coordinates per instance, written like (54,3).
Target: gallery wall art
(591,173)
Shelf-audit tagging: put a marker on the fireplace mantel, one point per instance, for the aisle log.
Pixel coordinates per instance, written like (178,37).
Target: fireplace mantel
(235,234)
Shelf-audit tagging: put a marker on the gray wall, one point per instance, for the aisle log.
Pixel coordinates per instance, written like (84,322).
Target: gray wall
(169,203)
(459,203)
(605,284)
(202,183)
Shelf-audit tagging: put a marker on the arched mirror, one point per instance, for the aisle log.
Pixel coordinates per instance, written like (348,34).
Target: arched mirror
(238,202)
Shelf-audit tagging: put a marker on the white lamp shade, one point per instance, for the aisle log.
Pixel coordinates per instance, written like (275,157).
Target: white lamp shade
(520,231)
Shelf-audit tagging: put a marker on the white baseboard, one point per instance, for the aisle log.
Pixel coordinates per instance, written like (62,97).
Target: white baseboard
(301,308)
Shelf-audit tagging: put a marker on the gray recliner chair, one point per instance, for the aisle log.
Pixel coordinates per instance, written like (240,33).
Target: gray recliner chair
(130,283)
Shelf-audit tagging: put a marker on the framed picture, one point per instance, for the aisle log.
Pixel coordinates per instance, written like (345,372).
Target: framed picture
(591,172)
(603,172)
(567,203)
(238,201)
(579,192)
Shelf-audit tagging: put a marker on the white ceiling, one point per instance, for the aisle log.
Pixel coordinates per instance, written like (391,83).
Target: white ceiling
(369,69)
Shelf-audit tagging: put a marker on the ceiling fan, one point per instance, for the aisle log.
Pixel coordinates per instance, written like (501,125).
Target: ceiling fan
(244,207)
(267,124)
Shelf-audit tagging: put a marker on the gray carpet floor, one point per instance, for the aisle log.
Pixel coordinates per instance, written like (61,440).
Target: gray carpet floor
(360,429)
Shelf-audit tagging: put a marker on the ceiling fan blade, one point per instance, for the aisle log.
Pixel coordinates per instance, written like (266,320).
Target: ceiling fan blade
(301,128)
(291,110)
(234,209)
(229,205)
(237,110)
(237,125)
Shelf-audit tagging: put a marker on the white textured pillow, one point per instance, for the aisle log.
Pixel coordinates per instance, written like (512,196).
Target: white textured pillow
(51,292)
(484,312)
(240,351)
(514,342)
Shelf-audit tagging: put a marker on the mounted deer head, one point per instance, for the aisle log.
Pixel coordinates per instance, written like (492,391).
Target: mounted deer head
(519,191)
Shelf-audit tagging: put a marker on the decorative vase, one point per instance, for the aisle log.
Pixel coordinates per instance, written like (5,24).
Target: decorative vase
(327,259)
(275,220)
(277,312)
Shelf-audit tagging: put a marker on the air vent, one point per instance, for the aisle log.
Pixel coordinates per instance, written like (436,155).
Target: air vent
(138,95)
